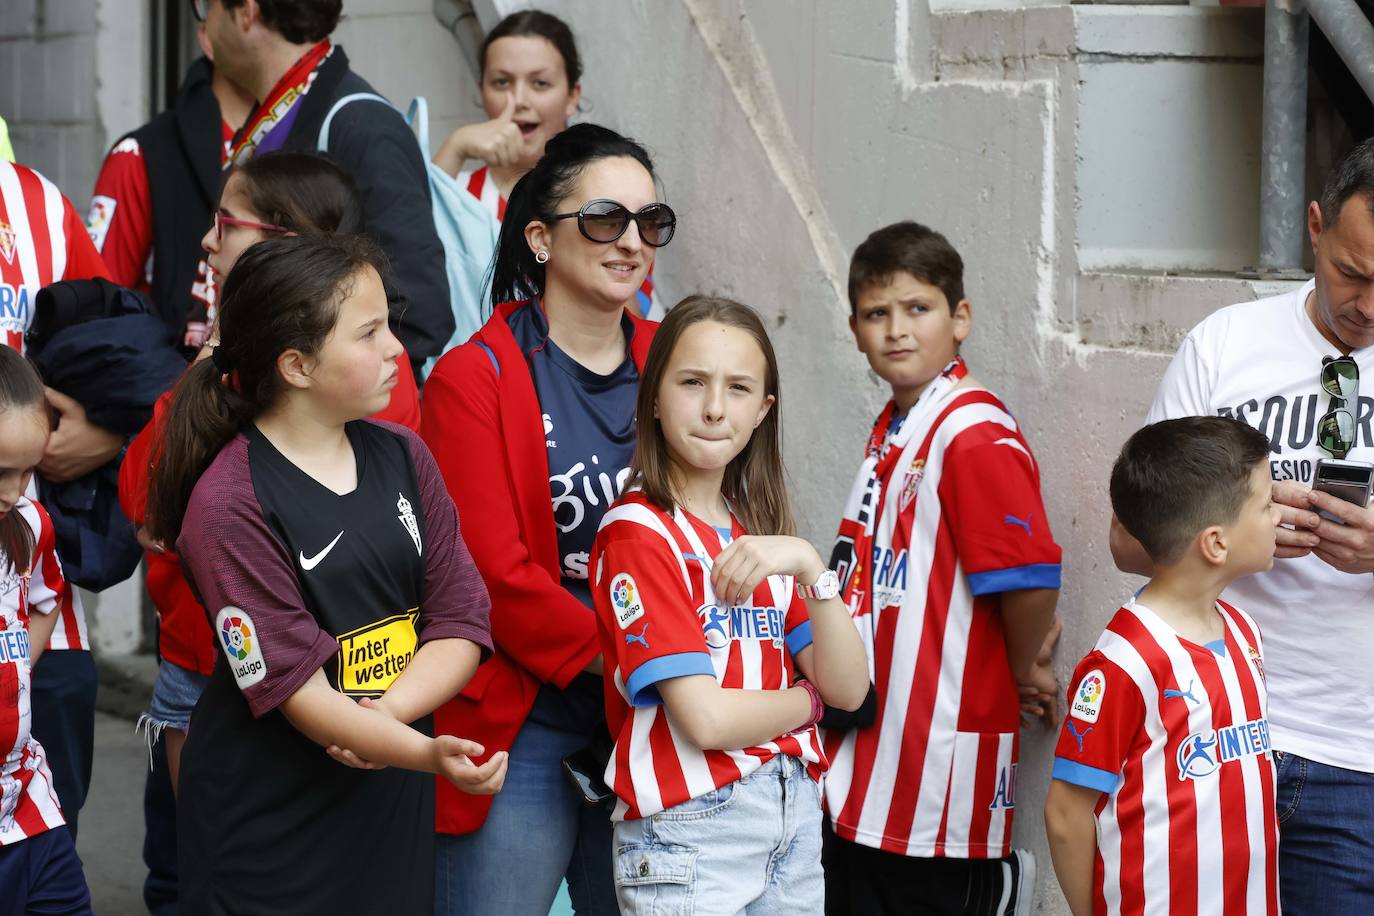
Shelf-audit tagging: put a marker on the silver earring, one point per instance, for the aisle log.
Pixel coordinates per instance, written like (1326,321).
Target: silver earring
(542,257)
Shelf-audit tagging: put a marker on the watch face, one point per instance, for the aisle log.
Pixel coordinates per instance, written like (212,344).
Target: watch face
(828,585)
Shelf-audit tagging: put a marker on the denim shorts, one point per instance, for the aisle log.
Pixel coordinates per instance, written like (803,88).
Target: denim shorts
(175,694)
(752,844)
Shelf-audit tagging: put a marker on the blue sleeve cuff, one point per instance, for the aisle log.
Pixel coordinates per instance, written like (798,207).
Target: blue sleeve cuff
(641,684)
(1081,775)
(799,638)
(1037,575)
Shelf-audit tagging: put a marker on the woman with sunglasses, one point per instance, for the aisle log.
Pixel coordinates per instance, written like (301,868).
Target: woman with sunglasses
(531,84)
(532,423)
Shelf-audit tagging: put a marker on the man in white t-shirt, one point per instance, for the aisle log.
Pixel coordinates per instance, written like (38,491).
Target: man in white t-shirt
(1262,362)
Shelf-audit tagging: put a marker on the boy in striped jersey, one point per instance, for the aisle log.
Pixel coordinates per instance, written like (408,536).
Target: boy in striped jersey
(1163,791)
(951,575)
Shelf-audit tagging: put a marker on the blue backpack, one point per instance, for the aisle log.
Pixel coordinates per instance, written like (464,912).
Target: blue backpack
(468,231)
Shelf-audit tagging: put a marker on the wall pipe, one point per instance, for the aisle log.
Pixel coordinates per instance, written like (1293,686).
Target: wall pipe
(1283,161)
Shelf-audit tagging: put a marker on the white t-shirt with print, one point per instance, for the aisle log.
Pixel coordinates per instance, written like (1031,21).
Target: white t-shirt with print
(1261,362)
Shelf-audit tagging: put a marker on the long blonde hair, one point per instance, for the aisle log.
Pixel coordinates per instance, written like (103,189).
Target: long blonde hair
(755,480)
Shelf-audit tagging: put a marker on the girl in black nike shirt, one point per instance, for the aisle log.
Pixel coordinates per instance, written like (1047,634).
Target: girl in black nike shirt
(327,553)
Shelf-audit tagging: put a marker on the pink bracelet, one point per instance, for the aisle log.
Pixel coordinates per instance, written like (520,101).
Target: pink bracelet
(817,705)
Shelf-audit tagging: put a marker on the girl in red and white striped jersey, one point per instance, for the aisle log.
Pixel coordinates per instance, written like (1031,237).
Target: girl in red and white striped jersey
(42,241)
(703,626)
(31,591)
(531,85)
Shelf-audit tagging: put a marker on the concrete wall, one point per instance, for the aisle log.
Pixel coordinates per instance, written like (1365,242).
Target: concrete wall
(48,89)
(785,130)
(401,48)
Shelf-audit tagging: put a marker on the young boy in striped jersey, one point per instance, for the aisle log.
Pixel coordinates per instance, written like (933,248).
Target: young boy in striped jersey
(951,574)
(1163,791)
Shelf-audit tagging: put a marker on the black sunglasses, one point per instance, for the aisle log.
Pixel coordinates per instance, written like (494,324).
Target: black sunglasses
(1340,379)
(200,9)
(603,220)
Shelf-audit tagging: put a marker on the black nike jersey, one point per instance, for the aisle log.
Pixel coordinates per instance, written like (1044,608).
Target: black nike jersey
(297,578)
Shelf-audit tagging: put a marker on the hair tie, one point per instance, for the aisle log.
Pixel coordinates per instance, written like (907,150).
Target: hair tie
(222,359)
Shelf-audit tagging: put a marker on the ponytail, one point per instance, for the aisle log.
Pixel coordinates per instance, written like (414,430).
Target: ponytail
(205,414)
(20,389)
(281,295)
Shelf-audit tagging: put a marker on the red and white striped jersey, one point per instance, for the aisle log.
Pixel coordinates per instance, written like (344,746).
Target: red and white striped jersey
(659,619)
(945,516)
(28,802)
(1175,735)
(485,190)
(42,240)
(480,186)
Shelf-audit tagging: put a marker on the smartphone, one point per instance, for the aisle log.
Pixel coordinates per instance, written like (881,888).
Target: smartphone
(1347,480)
(585,769)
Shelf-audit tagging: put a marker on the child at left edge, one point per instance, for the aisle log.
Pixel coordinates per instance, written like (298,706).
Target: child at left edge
(39,867)
(706,608)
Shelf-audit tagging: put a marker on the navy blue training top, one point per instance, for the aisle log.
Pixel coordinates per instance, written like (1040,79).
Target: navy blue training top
(589,435)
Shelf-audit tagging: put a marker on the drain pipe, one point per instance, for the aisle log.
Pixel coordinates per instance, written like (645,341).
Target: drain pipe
(1283,201)
(468,21)
(1351,34)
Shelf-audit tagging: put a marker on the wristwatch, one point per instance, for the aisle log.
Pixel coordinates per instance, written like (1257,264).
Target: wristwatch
(826,587)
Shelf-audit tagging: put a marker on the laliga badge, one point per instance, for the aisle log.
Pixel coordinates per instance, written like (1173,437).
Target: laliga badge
(912,483)
(238,637)
(1087,699)
(625,600)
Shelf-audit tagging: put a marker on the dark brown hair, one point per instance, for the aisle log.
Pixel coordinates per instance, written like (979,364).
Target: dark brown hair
(298,21)
(1353,175)
(538,24)
(906,247)
(20,389)
(304,192)
(755,481)
(283,294)
(1176,477)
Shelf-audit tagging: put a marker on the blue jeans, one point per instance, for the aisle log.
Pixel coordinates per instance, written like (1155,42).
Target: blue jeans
(539,830)
(159,834)
(1326,838)
(753,847)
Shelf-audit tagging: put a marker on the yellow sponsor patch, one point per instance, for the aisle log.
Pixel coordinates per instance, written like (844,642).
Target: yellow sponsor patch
(372,657)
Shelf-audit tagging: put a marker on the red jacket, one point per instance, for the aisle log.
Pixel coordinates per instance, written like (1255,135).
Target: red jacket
(486,430)
(183,635)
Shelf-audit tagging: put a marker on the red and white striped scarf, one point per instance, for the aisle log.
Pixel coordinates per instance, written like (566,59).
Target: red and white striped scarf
(852,557)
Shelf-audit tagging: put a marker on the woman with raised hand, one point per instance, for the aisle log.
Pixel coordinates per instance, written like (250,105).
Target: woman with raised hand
(531,84)
(532,423)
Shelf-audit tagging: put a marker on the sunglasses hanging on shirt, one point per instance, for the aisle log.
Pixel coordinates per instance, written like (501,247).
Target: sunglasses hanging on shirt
(1340,379)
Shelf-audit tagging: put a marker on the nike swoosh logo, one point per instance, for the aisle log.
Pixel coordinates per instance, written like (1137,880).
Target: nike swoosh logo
(309,563)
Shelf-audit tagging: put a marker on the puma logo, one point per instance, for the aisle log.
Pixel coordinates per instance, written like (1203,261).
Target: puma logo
(1182,694)
(309,563)
(641,638)
(1077,736)
(1013,520)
